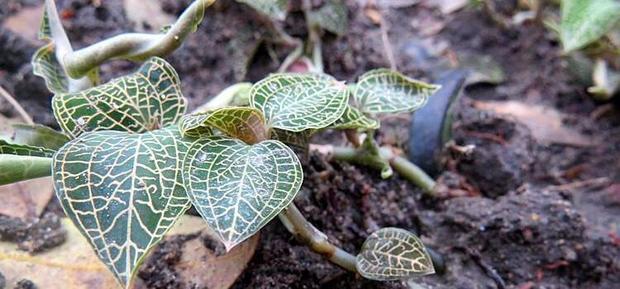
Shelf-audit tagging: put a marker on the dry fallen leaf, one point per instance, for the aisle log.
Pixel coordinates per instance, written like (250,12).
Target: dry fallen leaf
(22,22)
(26,199)
(147,12)
(545,123)
(72,265)
(200,266)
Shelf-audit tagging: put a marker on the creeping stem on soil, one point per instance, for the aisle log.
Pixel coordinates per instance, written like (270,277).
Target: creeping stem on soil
(132,46)
(404,167)
(297,224)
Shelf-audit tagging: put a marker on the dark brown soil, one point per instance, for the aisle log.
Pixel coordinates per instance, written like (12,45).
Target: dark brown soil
(526,215)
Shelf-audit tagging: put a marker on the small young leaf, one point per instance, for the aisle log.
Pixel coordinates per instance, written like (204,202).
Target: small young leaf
(46,66)
(238,188)
(35,135)
(244,123)
(15,168)
(332,16)
(585,21)
(275,9)
(123,191)
(297,102)
(355,119)
(393,254)
(386,91)
(148,99)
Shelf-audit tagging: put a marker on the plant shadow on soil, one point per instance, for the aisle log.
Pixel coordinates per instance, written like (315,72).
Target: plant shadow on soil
(515,225)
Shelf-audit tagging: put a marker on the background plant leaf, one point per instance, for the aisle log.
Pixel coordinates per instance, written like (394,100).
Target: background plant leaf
(124,191)
(387,91)
(238,188)
(275,9)
(46,66)
(332,16)
(585,21)
(8,148)
(297,102)
(15,168)
(244,123)
(393,254)
(299,141)
(149,99)
(355,119)
(34,135)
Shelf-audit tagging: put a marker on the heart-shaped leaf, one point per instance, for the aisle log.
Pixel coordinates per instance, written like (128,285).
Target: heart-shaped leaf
(585,21)
(386,91)
(124,191)
(332,16)
(355,119)
(393,254)
(239,188)
(275,9)
(297,102)
(146,100)
(15,168)
(244,123)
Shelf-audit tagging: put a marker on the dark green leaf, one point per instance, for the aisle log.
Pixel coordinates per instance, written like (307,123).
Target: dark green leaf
(238,188)
(297,102)
(146,100)
(124,191)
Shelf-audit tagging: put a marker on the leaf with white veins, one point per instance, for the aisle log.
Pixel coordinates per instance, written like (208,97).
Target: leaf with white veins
(355,119)
(238,188)
(393,254)
(387,91)
(244,123)
(123,191)
(297,102)
(149,99)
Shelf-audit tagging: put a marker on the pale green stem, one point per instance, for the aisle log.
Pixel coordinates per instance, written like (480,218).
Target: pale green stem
(404,167)
(131,46)
(316,240)
(14,168)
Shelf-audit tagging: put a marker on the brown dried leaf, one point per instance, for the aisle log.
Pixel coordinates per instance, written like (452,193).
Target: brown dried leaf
(545,123)
(73,265)
(26,199)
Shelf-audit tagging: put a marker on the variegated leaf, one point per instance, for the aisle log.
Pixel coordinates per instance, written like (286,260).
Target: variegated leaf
(275,9)
(123,191)
(45,62)
(244,123)
(146,100)
(15,168)
(297,102)
(239,188)
(393,254)
(332,16)
(46,66)
(386,91)
(355,119)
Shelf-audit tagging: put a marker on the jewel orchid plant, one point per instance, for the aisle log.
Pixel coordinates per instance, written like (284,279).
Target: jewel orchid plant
(129,160)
